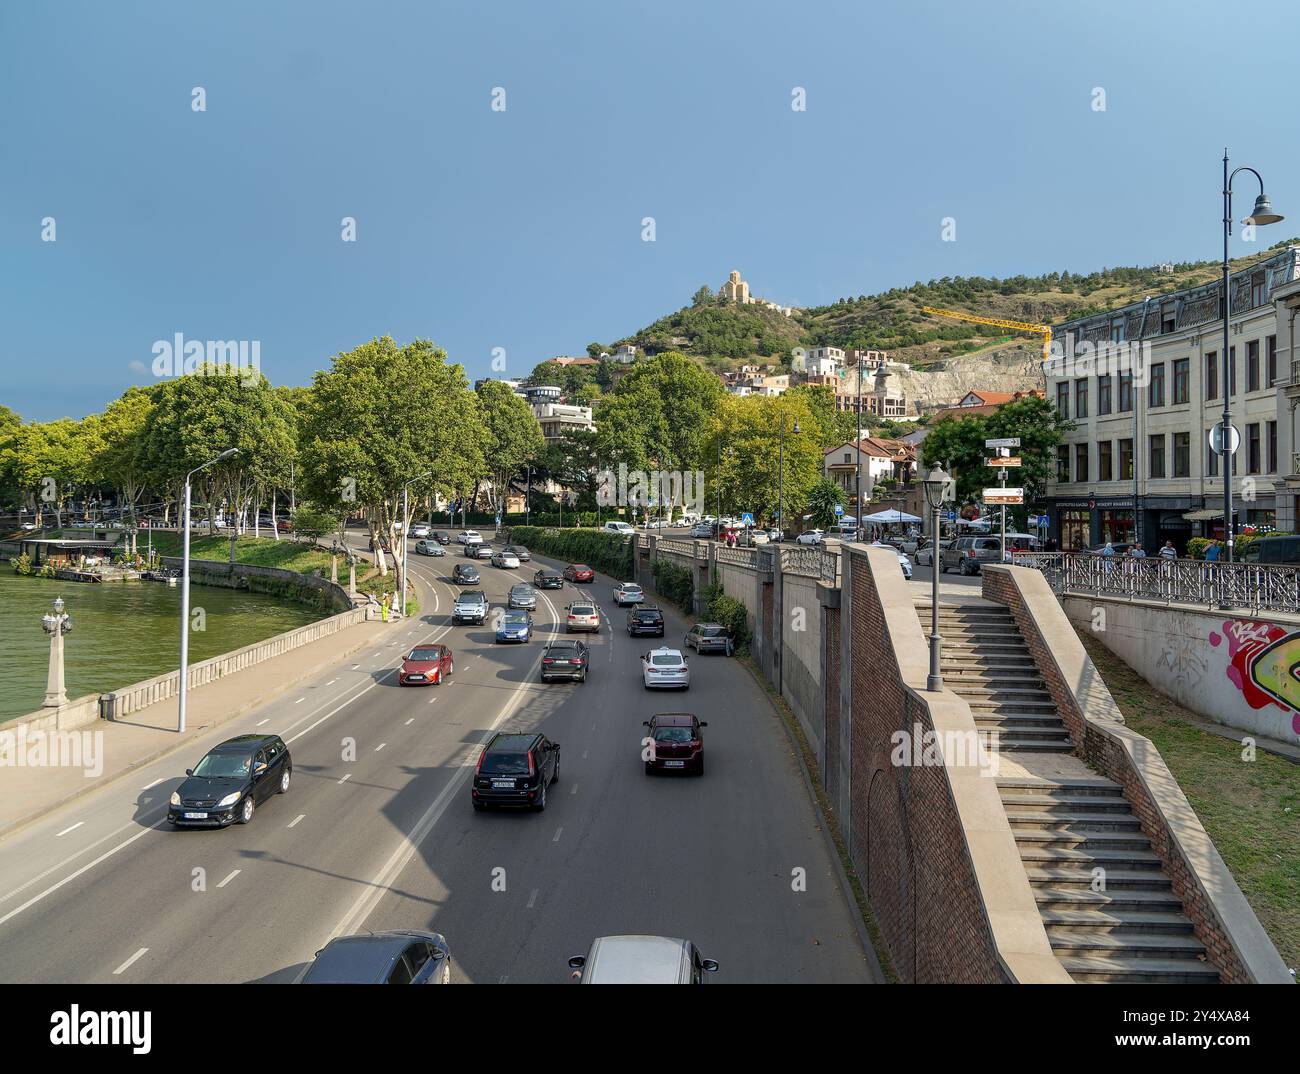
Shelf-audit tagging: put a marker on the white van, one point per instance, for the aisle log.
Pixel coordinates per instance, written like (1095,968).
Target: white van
(641,960)
(619,527)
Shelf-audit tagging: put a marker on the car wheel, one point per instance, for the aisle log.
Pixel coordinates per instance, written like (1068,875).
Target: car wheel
(699,769)
(556,777)
(541,801)
(284,781)
(583,676)
(478,806)
(247,810)
(649,769)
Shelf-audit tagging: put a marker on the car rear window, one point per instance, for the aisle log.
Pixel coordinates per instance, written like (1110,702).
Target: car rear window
(712,632)
(504,764)
(652,613)
(665,659)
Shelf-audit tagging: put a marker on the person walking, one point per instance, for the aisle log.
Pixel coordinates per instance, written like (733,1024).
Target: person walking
(1168,552)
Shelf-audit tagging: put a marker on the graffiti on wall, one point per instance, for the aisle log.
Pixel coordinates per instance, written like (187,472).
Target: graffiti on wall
(1264,664)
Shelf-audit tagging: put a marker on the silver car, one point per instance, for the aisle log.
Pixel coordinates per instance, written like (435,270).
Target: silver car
(641,960)
(968,554)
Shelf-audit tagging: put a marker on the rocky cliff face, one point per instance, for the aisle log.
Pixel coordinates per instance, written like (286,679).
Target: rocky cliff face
(943,383)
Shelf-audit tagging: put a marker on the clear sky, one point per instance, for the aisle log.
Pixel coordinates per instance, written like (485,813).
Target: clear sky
(522,228)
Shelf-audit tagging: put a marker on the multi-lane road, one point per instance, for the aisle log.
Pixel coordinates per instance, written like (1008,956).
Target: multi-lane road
(377,831)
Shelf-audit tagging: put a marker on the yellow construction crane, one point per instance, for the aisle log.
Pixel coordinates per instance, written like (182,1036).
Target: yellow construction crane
(1042,329)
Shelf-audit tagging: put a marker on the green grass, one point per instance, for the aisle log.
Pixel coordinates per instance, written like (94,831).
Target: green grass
(1251,809)
(258,551)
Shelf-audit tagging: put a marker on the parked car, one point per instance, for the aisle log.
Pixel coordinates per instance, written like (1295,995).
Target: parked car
(628,593)
(515,770)
(471,606)
(925,551)
(619,527)
(811,537)
(565,658)
(397,957)
(522,596)
(1274,550)
(420,529)
(582,616)
(968,554)
(505,560)
(465,574)
(579,572)
(548,579)
(665,668)
(709,638)
(426,665)
(429,548)
(645,620)
(641,960)
(702,530)
(676,742)
(283,525)
(515,625)
(519,552)
(231,780)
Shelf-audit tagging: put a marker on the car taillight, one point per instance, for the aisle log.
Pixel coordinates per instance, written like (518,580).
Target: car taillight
(479,767)
(532,768)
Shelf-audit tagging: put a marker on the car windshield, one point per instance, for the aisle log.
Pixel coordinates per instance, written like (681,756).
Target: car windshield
(672,734)
(665,659)
(515,618)
(522,591)
(504,764)
(470,598)
(425,654)
(224,765)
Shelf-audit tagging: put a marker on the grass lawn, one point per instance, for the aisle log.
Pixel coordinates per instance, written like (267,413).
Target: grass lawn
(260,551)
(1251,809)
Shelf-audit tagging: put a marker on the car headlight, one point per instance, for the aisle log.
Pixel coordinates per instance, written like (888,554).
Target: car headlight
(230,799)
(176,798)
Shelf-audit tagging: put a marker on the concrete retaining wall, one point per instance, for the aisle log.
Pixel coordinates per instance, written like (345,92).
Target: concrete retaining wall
(309,589)
(801,657)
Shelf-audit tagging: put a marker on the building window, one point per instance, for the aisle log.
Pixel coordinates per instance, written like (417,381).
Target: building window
(1081,398)
(1103,394)
(1182,380)
(1156,457)
(1081,462)
(1211,459)
(1125,392)
(1156,386)
(1105,471)
(1169,318)
(1063,462)
(1117,330)
(1182,454)
(1272,447)
(1252,448)
(1252,366)
(1232,372)
(1126,460)
(1063,399)
(1076,529)
(1212,375)
(1257,290)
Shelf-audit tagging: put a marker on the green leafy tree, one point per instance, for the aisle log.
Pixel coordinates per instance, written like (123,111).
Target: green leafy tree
(513,436)
(823,498)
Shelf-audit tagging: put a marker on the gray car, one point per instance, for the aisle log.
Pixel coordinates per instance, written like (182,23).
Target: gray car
(523,596)
(968,554)
(641,960)
(471,606)
(519,551)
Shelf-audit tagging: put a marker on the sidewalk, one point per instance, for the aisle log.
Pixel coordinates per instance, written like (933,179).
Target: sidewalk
(29,793)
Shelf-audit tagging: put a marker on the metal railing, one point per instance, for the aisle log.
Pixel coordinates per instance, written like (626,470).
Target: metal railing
(806,562)
(830,565)
(1247,586)
(744,557)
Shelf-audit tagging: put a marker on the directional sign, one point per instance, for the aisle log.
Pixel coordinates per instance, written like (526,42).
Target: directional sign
(1006,441)
(747,518)
(1004,496)
(838,510)
(1216,439)
(1004,460)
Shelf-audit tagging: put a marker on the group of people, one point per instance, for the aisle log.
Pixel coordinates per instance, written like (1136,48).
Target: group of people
(1167,551)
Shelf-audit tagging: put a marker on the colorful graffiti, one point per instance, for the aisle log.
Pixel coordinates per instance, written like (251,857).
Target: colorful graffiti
(1264,664)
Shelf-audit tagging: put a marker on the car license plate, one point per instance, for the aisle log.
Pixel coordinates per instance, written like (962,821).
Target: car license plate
(503,784)
(196,816)
(416,678)
(674,764)
(560,663)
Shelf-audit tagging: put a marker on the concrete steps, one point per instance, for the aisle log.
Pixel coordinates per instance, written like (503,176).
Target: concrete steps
(1101,969)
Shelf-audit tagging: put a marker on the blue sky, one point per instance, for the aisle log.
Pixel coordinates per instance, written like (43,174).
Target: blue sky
(522,229)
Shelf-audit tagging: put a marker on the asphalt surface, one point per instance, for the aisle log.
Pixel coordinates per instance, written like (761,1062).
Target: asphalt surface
(377,831)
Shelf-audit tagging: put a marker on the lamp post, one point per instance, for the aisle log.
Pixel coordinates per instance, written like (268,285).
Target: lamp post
(56,626)
(935,482)
(780,477)
(185,586)
(1262,214)
(406,534)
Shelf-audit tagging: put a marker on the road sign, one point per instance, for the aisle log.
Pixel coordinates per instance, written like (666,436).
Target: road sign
(747,518)
(1004,496)
(952,516)
(838,510)
(1216,439)
(1004,460)
(1006,441)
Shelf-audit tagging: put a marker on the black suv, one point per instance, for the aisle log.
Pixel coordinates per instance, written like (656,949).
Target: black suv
(515,770)
(565,658)
(645,620)
(465,574)
(548,579)
(231,781)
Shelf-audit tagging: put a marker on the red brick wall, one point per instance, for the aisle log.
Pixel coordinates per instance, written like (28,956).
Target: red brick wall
(831,686)
(906,838)
(1108,757)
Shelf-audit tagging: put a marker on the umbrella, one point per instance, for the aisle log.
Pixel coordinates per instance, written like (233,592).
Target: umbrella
(891,516)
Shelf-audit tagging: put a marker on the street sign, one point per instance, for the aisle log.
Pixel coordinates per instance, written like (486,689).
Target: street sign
(1216,439)
(838,510)
(1006,441)
(1004,496)
(747,518)
(952,516)
(1004,460)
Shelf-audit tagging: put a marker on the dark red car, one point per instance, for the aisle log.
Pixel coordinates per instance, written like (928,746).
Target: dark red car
(579,572)
(675,743)
(426,665)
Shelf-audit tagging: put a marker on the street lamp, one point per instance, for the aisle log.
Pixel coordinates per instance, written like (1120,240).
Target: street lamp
(185,586)
(780,477)
(1262,214)
(56,626)
(935,482)
(406,535)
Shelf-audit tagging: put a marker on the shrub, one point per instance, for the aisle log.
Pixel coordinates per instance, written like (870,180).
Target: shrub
(606,552)
(730,613)
(675,583)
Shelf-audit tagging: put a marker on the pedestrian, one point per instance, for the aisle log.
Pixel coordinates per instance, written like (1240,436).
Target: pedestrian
(1137,552)
(1168,552)
(1212,552)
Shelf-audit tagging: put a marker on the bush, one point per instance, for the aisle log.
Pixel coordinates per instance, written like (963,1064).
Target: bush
(675,583)
(1197,545)
(730,613)
(606,552)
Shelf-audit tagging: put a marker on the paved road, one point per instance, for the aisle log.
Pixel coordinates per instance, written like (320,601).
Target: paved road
(377,831)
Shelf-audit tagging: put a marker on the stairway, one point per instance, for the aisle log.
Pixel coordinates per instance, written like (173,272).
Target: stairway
(1108,906)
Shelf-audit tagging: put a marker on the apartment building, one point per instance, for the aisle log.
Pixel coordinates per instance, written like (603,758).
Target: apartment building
(1137,464)
(555,418)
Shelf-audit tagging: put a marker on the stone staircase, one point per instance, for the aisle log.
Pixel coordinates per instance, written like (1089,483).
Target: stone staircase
(1107,904)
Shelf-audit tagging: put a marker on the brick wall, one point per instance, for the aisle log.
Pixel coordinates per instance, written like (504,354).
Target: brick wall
(831,690)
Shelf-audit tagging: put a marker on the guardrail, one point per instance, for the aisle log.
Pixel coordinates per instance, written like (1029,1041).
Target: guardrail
(1249,586)
(744,557)
(804,561)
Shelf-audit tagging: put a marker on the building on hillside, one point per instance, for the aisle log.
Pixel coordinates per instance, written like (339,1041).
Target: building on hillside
(625,352)
(981,403)
(565,360)
(515,384)
(881,458)
(556,418)
(737,290)
(1137,463)
(543,393)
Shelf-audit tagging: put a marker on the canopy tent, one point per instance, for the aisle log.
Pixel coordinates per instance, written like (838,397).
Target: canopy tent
(885,517)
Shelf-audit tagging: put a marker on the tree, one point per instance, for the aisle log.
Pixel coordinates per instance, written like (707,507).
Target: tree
(823,498)
(705,296)
(121,457)
(513,435)
(746,433)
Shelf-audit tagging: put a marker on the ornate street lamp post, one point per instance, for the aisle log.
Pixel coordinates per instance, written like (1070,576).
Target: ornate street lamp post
(56,626)
(935,483)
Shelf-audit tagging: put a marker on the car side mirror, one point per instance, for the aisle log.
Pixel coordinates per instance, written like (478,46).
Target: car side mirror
(189,771)
(704,723)
(645,723)
(710,965)
(577,962)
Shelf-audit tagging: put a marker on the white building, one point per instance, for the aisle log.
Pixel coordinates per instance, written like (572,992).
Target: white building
(555,418)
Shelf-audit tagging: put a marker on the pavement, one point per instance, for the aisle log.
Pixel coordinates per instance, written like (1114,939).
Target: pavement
(376,830)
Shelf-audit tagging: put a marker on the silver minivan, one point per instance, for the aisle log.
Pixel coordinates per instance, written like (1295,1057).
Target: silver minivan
(641,960)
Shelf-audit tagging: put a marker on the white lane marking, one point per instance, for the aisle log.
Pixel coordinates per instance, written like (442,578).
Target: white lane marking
(296,820)
(355,666)
(260,722)
(300,701)
(432,700)
(573,789)
(532,898)
(584,755)
(410,721)
(558,832)
(331,682)
(229,878)
(346,778)
(72,829)
(129,962)
(151,786)
(380,746)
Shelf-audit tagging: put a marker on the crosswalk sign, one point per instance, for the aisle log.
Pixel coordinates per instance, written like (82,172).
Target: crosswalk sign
(747,519)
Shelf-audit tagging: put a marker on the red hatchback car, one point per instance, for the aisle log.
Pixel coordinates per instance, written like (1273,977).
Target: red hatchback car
(675,742)
(425,665)
(579,572)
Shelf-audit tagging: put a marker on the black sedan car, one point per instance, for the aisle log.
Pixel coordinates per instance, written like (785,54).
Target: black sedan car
(548,579)
(398,957)
(645,621)
(231,781)
(465,574)
(515,770)
(565,658)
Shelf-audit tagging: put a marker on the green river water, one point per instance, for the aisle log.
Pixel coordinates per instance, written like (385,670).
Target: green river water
(122,632)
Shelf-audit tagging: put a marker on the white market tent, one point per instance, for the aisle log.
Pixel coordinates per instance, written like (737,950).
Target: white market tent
(886,517)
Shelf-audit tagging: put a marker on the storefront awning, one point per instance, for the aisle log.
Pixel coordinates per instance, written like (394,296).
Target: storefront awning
(1203,515)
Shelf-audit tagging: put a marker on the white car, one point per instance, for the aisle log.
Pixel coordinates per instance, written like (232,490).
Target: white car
(665,668)
(619,527)
(811,537)
(508,560)
(420,530)
(628,593)
(903,561)
(463,537)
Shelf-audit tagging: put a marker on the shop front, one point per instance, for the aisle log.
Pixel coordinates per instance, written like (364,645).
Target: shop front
(1082,524)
